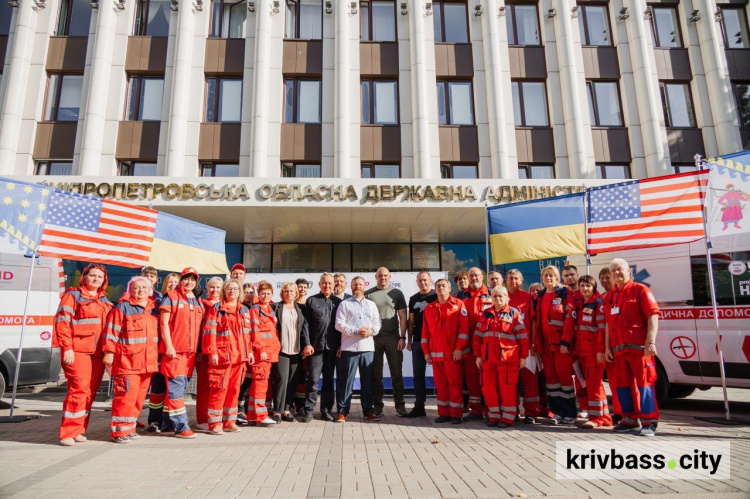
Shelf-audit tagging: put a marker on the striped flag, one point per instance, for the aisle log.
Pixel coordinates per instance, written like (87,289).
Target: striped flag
(645,213)
(98,231)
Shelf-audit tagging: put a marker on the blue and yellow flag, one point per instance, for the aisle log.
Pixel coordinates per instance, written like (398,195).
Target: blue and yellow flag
(535,230)
(180,243)
(23,208)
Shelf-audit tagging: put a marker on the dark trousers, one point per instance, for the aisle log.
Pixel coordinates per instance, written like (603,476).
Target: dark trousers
(388,346)
(346,372)
(156,398)
(285,376)
(419,367)
(320,363)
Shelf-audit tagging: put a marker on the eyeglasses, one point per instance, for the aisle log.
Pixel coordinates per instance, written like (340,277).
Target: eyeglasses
(237,290)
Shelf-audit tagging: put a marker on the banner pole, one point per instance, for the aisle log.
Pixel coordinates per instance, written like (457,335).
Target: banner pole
(23,332)
(487,239)
(586,227)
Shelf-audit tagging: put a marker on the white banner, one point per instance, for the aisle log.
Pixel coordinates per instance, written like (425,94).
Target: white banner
(728,200)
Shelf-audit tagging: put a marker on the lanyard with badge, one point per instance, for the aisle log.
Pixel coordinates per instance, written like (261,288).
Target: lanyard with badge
(618,301)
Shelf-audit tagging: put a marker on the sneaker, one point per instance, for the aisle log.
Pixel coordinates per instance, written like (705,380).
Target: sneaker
(134,436)
(442,419)
(583,415)
(417,412)
(371,416)
(277,418)
(325,416)
(242,418)
(216,430)
(341,418)
(649,430)
(555,420)
(457,420)
(589,425)
(503,424)
(626,428)
(232,428)
(267,423)
(568,421)
(121,440)
(401,410)
(154,428)
(188,434)
(378,412)
(529,420)
(288,417)
(492,424)
(202,426)
(80,439)
(473,417)
(67,442)
(307,417)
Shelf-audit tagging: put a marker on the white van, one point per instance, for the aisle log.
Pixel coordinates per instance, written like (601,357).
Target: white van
(40,363)
(686,348)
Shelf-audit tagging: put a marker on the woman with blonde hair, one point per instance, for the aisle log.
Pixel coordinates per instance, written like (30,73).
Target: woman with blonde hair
(291,325)
(170,283)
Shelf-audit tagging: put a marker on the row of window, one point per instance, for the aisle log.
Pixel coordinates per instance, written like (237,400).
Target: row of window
(304,20)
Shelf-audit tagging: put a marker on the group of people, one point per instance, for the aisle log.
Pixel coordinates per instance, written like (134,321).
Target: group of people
(554,342)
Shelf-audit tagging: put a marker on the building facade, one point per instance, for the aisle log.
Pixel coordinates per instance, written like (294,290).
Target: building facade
(475,93)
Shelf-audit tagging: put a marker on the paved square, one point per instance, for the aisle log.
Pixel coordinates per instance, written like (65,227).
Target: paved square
(396,457)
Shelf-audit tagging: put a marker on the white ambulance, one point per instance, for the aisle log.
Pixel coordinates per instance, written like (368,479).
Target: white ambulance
(686,345)
(40,363)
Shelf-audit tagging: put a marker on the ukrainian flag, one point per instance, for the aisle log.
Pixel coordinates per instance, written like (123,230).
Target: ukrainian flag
(180,243)
(536,230)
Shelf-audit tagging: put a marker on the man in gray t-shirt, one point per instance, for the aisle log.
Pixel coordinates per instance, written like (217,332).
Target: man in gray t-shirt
(391,340)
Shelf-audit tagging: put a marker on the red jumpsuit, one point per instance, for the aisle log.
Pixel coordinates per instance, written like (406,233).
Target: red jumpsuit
(476,301)
(558,368)
(266,340)
(228,333)
(610,366)
(524,302)
(201,371)
(445,329)
(132,335)
(79,323)
(500,339)
(628,309)
(585,327)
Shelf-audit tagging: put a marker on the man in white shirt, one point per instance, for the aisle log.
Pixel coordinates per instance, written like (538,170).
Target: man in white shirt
(358,321)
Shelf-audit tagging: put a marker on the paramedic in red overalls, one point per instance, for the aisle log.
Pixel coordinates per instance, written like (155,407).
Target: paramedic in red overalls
(500,345)
(266,348)
(584,333)
(445,335)
(213,290)
(477,300)
(131,350)
(635,317)
(550,307)
(79,322)
(181,320)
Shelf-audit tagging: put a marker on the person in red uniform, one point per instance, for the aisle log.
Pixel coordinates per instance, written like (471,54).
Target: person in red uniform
(634,315)
(585,328)
(500,345)
(227,343)
(78,326)
(605,279)
(477,299)
(266,347)
(524,303)
(181,320)
(550,307)
(213,291)
(445,336)
(570,280)
(130,345)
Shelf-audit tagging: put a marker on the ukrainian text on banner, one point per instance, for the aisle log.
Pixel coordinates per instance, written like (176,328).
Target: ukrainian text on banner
(646,213)
(536,230)
(729,194)
(180,243)
(22,211)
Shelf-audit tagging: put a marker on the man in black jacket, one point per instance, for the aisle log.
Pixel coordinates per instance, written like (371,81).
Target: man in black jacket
(321,346)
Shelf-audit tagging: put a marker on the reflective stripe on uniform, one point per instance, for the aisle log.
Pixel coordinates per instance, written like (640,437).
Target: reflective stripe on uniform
(133,341)
(74,415)
(94,320)
(463,336)
(437,355)
(65,308)
(114,326)
(628,345)
(556,323)
(123,419)
(62,318)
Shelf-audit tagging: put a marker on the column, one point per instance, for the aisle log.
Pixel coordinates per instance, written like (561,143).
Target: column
(98,90)
(342,91)
(17,86)
(503,155)
(650,112)
(259,127)
(180,95)
(247,102)
(419,92)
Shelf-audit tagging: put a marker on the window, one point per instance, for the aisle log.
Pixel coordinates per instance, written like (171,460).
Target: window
(450,22)
(593,22)
(677,104)
(302,257)
(228,18)
(220,170)
(54,168)
(665,29)
(613,171)
(300,171)
(302,101)
(377,20)
(522,21)
(604,103)
(131,169)
(729,286)
(536,171)
(257,257)
(152,18)
(380,171)
(742,94)
(379,102)
(144,98)
(734,27)
(690,167)
(6,14)
(223,100)
(529,103)
(63,97)
(369,257)
(75,18)
(455,103)
(458,171)
(304,19)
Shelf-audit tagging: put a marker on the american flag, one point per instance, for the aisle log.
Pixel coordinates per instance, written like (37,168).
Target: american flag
(646,213)
(98,231)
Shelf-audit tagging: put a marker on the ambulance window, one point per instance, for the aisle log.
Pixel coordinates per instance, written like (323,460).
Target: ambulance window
(732,278)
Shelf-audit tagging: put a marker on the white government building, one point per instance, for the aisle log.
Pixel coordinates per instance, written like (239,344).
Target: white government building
(399,119)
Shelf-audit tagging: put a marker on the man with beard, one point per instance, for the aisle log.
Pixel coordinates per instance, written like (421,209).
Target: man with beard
(417,303)
(339,287)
